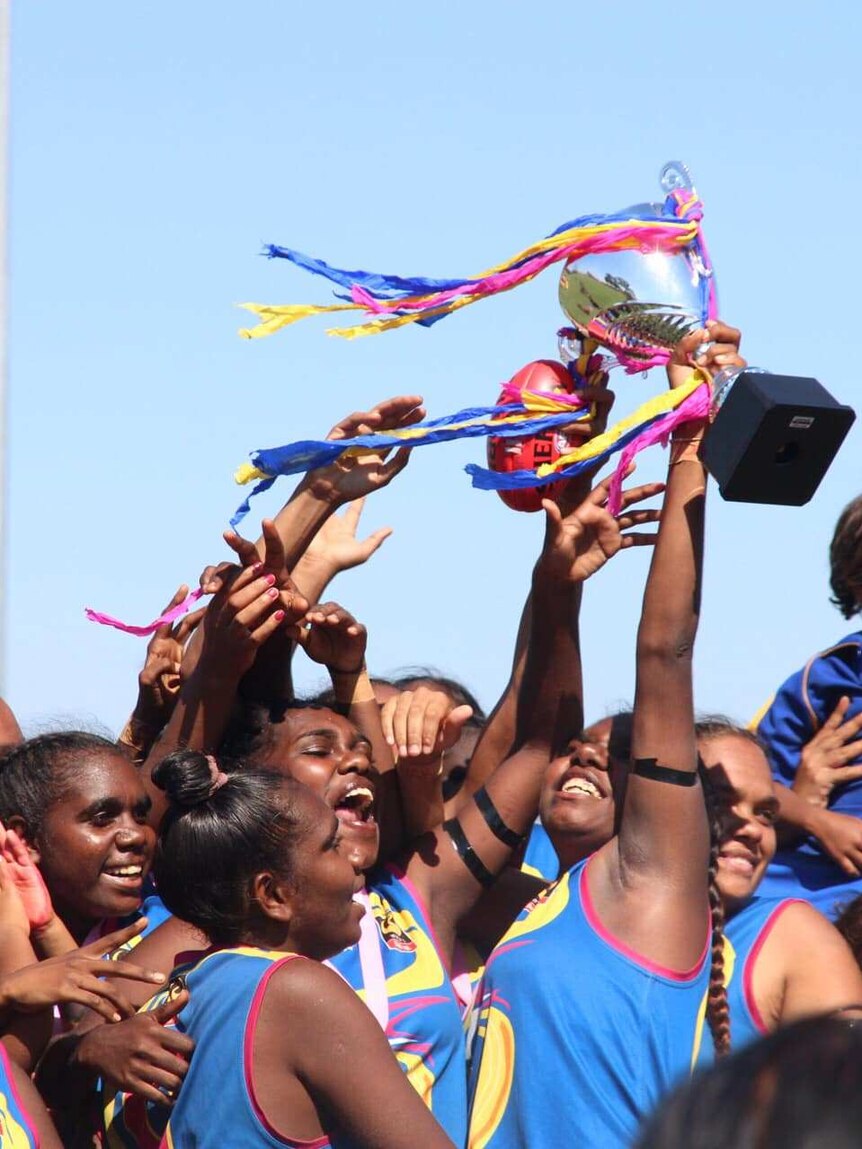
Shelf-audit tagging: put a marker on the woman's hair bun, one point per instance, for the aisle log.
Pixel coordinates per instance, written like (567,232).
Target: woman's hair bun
(186,776)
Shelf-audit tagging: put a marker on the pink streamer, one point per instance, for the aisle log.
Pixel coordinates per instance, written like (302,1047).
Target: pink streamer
(695,406)
(515,393)
(142,631)
(504,280)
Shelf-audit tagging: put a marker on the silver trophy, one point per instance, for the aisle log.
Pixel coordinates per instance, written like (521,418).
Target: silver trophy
(772,437)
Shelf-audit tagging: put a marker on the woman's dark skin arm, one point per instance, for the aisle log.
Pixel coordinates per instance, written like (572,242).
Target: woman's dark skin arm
(159,683)
(649,884)
(318,496)
(498,736)
(297,1081)
(550,708)
(248,608)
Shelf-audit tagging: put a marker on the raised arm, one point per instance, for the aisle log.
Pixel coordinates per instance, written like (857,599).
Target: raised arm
(308,513)
(466,853)
(247,610)
(159,683)
(649,884)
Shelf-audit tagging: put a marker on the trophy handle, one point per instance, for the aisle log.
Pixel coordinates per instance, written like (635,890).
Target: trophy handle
(675,176)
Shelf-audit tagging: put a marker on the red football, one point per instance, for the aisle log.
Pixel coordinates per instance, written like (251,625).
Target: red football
(516,454)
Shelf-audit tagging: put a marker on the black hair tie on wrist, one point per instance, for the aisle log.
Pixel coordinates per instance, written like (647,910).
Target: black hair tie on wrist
(467,854)
(649,768)
(494,822)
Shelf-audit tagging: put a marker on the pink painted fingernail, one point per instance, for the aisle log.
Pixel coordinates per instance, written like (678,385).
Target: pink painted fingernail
(279,615)
(270,579)
(272,593)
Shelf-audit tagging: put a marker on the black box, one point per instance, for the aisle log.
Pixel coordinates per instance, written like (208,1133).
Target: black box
(774,438)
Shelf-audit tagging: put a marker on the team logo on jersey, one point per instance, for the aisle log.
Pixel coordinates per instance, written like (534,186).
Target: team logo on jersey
(393,933)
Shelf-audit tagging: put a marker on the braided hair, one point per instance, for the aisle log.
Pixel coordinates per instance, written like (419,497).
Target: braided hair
(717,1006)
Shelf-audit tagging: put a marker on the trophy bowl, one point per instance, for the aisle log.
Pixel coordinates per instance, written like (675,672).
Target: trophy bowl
(637,304)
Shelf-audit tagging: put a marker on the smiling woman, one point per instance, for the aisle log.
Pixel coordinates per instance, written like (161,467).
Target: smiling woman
(81,810)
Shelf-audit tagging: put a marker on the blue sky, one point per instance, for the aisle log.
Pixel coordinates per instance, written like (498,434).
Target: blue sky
(156,147)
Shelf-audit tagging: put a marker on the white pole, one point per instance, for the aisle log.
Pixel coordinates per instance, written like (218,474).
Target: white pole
(5,55)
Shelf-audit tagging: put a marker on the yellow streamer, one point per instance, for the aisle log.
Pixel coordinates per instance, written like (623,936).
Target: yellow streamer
(248,473)
(658,405)
(275,317)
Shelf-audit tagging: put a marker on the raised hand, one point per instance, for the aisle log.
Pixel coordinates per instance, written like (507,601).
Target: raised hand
(272,564)
(823,763)
(159,681)
(331,636)
(721,349)
(579,544)
(354,476)
(336,548)
(243,614)
(143,1054)
(77,978)
(19,870)
(422,724)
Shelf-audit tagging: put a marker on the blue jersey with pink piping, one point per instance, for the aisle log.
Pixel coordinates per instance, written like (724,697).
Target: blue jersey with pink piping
(423,1025)
(217,1104)
(744,937)
(576,1036)
(17,1130)
(798,710)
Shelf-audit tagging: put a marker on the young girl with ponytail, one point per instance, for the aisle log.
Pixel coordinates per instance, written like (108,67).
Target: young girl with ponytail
(285,1052)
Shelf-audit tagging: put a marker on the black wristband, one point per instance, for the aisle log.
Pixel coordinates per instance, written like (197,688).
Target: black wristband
(494,822)
(467,854)
(649,768)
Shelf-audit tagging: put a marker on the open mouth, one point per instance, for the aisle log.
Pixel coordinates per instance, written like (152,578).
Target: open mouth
(129,876)
(580,784)
(355,807)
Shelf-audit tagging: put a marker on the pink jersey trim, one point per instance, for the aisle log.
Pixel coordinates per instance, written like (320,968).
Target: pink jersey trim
(248,1047)
(754,954)
(400,874)
(645,963)
(13,1089)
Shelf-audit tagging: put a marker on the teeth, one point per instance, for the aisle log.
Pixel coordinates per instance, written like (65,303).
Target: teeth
(361,796)
(125,871)
(580,786)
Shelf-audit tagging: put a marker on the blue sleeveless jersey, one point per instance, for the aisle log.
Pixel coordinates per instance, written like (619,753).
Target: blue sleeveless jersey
(424,1027)
(17,1130)
(540,857)
(799,709)
(744,936)
(576,1037)
(216,1105)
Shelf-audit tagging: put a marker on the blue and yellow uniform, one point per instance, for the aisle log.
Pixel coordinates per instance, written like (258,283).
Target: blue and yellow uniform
(744,937)
(799,709)
(17,1130)
(217,1105)
(577,1037)
(424,1024)
(540,857)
